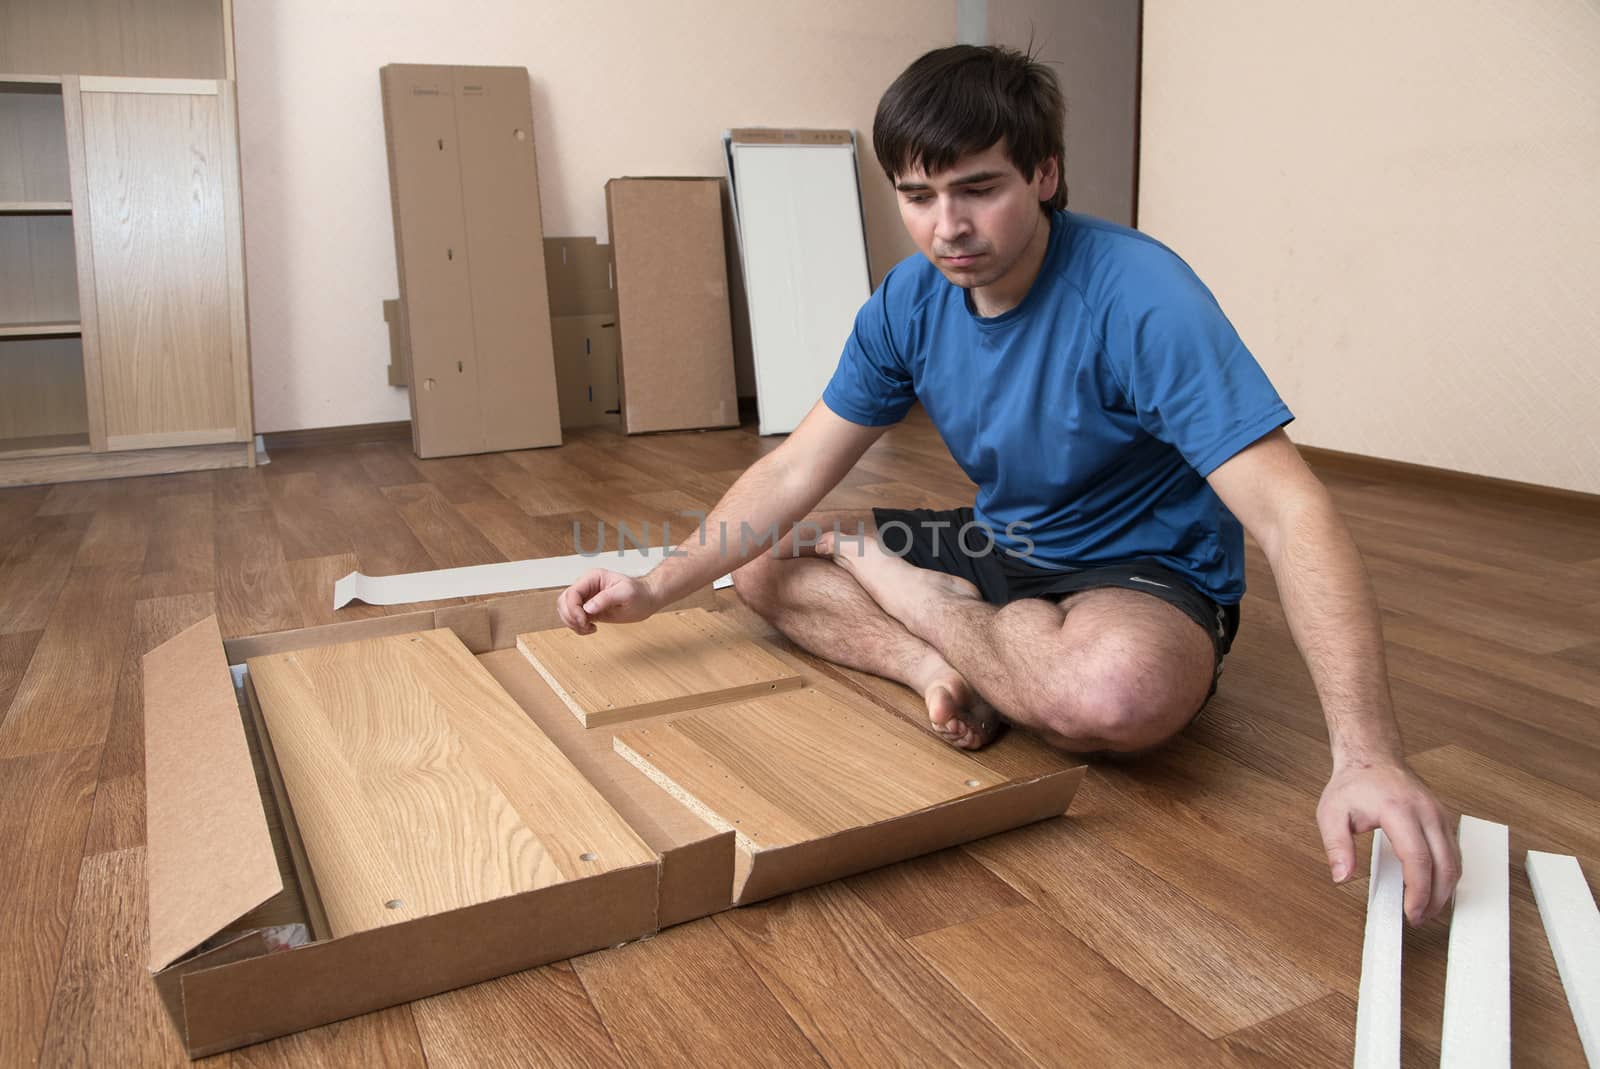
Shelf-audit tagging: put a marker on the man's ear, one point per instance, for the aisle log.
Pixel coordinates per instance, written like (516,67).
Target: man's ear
(1049,173)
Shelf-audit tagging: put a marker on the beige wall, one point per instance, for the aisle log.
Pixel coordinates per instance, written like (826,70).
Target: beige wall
(1093,46)
(1399,207)
(623,87)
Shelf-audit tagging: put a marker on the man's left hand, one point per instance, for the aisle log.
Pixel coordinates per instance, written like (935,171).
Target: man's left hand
(1389,795)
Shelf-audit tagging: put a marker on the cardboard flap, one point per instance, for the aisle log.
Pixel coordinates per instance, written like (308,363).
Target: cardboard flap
(208,856)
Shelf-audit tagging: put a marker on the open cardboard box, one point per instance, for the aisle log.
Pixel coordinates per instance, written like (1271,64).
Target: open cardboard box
(223,857)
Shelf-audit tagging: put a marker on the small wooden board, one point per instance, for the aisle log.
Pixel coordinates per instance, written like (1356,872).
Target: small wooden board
(801,766)
(419,786)
(668,663)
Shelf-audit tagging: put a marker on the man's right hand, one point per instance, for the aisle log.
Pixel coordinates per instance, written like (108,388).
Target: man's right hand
(606,598)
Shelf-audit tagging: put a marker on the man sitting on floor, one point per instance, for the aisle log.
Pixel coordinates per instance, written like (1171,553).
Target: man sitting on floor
(1119,433)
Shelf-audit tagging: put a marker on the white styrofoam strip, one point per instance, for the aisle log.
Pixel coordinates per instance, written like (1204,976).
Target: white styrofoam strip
(1378,1008)
(1477,986)
(502,578)
(1572,924)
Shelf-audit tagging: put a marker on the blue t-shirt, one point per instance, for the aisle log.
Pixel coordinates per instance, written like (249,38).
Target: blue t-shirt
(1088,415)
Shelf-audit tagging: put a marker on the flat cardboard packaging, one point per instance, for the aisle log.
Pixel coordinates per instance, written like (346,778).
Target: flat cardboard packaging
(474,314)
(212,860)
(667,239)
(583,326)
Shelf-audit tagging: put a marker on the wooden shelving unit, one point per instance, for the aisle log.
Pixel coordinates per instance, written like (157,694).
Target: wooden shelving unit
(123,348)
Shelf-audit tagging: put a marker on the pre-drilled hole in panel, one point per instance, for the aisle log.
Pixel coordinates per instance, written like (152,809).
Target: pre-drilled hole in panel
(587,855)
(972,783)
(394,903)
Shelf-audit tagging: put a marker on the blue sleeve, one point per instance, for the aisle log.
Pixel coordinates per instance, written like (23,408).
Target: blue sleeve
(1187,373)
(871,385)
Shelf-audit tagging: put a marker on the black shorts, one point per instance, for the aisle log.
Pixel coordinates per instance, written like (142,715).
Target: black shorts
(927,538)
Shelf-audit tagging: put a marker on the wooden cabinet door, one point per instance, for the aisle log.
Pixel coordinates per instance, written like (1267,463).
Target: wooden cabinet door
(160,178)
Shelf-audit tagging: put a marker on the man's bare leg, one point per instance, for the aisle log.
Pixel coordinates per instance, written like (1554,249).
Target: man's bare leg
(1107,669)
(825,611)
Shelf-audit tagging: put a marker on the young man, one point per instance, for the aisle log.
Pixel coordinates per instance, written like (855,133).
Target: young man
(1119,433)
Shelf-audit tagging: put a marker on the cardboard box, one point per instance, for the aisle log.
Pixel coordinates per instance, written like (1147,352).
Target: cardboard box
(222,845)
(583,326)
(667,238)
(475,316)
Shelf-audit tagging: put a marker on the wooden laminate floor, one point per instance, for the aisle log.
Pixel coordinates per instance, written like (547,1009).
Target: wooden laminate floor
(1181,915)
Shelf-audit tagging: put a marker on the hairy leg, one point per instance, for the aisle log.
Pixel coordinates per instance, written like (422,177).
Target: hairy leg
(1106,669)
(825,611)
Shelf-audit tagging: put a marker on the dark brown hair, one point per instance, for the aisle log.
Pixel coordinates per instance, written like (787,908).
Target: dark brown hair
(959,100)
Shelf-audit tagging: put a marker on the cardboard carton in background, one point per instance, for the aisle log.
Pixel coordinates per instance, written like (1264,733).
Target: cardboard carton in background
(668,240)
(583,326)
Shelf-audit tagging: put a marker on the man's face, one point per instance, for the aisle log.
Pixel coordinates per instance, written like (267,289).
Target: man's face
(975,220)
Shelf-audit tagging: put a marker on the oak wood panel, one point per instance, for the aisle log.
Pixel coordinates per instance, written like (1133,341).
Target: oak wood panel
(687,998)
(1216,975)
(33,144)
(1058,1000)
(671,662)
(800,766)
(45,801)
(162,292)
(106,1010)
(541,1014)
(861,996)
(419,786)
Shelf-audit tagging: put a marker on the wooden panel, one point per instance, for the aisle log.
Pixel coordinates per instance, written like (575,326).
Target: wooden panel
(38,273)
(33,144)
(671,662)
(41,389)
(156,178)
(419,786)
(800,766)
(83,249)
(172,39)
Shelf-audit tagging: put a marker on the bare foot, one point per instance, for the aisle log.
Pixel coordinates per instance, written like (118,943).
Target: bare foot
(902,590)
(955,711)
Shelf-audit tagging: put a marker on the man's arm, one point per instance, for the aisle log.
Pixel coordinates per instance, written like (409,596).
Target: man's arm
(1333,616)
(774,493)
